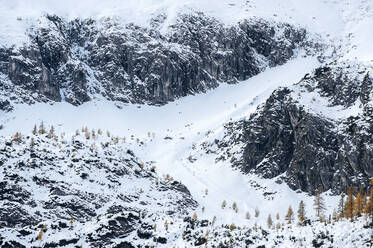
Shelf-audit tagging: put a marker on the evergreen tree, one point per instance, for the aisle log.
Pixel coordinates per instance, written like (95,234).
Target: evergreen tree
(290,215)
(363,202)
(341,206)
(213,220)
(35,130)
(87,133)
(194,217)
(319,205)
(248,215)
(223,204)
(269,221)
(349,206)
(234,206)
(277,216)
(51,132)
(40,234)
(166,225)
(358,203)
(278,225)
(71,220)
(257,212)
(42,128)
(301,213)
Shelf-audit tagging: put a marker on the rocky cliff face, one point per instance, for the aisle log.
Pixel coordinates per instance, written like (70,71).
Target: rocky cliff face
(76,60)
(77,191)
(314,135)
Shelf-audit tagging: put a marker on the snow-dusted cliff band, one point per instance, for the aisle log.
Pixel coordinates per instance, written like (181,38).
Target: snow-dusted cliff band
(161,123)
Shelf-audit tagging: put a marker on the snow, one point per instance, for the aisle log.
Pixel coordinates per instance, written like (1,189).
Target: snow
(185,121)
(314,103)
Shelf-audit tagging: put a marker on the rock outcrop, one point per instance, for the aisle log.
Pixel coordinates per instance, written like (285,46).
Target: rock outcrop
(77,60)
(81,193)
(316,135)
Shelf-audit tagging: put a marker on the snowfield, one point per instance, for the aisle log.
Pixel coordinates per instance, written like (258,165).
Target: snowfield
(178,126)
(172,137)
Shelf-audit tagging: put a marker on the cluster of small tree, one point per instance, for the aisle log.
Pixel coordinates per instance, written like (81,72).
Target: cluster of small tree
(42,130)
(356,205)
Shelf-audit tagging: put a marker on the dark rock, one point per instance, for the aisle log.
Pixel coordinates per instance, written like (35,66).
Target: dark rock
(124,244)
(139,65)
(160,240)
(200,241)
(282,136)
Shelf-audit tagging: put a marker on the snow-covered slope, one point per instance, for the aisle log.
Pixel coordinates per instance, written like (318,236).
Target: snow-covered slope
(290,78)
(178,126)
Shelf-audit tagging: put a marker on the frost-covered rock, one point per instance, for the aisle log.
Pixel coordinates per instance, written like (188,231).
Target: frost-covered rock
(81,192)
(317,134)
(75,61)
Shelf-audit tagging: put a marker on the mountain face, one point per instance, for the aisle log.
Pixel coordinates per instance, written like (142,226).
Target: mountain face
(75,60)
(46,182)
(309,149)
(79,60)
(216,130)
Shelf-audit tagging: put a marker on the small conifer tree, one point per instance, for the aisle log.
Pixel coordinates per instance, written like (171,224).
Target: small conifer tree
(301,213)
(341,207)
(32,144)
(42,128)
(232,227)
(35,130)
(87,134)
(349,206)
(359,203)
(213,220)
(234,207)
(319,204)
(248,215)
(40,234)
(194,217)
(71,220)
(257,212)
(278,225)
(269,221)
(289,215)
(166,225)
(51,132)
